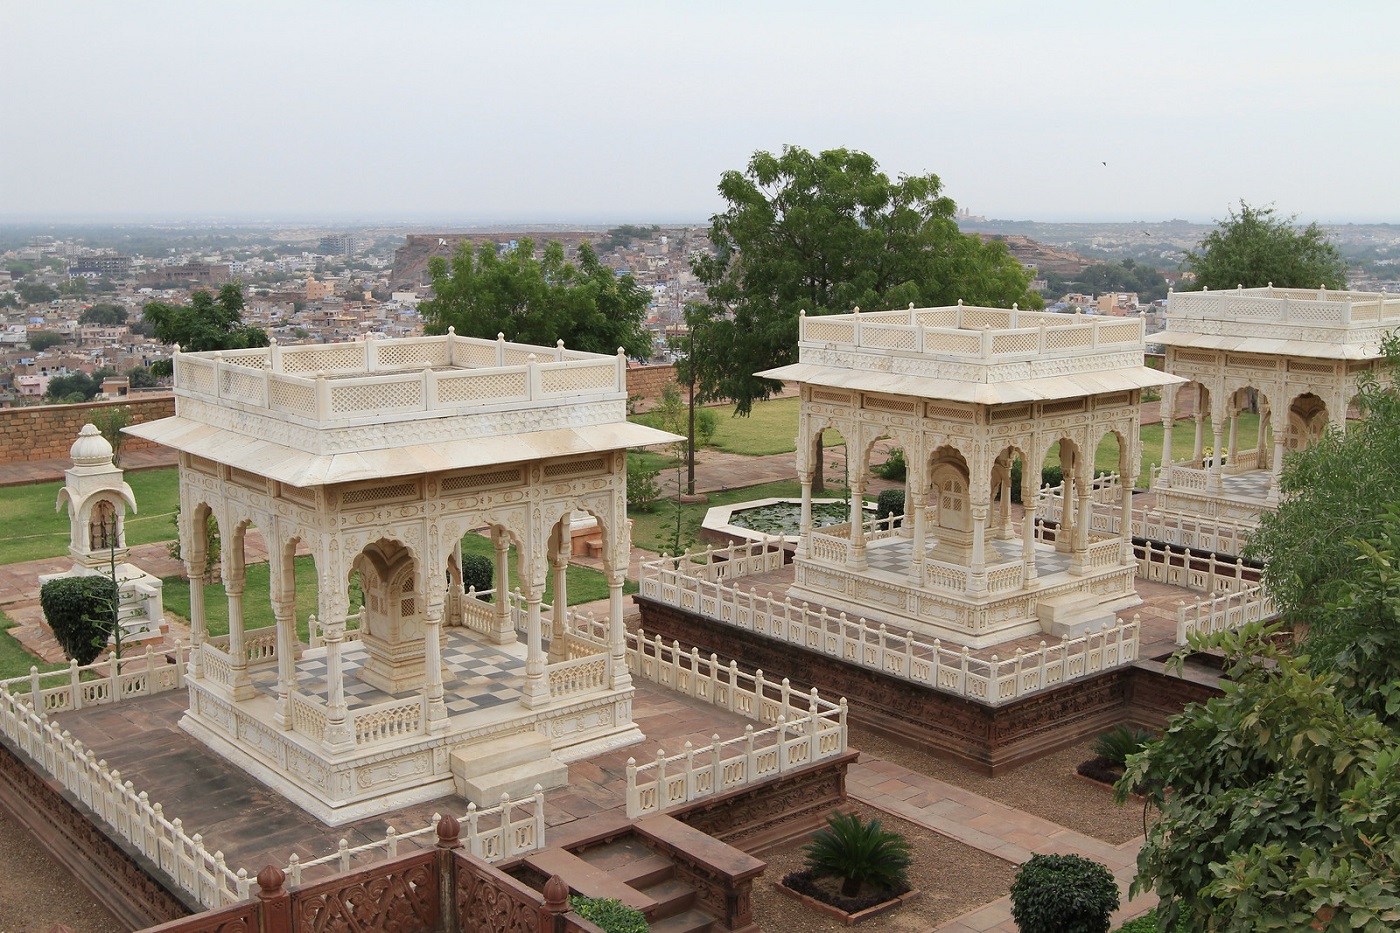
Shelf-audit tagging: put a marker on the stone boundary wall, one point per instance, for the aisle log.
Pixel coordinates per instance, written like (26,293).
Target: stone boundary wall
(46,432)
(987,739)
(648,381)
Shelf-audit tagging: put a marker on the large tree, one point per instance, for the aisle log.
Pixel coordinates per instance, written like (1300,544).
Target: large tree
(208,322)
(1280,800)
(827,233)
(1258,246)
(538,300)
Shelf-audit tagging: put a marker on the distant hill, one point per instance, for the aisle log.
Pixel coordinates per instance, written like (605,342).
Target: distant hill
(1040,255)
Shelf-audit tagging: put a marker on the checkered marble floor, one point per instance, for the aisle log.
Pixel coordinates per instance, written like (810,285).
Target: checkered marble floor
(479,676)
(894,555)
(1251,485)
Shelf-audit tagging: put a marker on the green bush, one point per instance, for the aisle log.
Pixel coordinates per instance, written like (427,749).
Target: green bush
(1118,743)
(82,612)
(1063,894)
(642,488)
(609,914)
(1147,923)
(890,502)
(862,855)
(894,468)
(706,424)
(477,571)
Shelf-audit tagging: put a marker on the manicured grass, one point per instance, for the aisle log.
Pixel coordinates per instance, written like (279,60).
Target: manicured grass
(33,529)
(585,585)
(14,660)
(1183,443)
(769,428)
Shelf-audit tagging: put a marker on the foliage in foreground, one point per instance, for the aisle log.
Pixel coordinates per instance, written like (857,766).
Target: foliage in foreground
(865,856)
(1063,894)
(609,914)
(1148,923)
(81,611)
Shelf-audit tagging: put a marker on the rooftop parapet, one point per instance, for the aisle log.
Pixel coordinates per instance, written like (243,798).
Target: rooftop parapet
(362,381)
(972,344)
(1288,318)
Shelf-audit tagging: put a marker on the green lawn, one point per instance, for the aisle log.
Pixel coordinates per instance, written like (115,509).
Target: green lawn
(585,585)
(14,660)
(33,529)
(1183,442)
(770,428)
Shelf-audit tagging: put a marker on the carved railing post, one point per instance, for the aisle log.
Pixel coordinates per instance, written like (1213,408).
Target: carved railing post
(556,905)
(274,903)
(449,842)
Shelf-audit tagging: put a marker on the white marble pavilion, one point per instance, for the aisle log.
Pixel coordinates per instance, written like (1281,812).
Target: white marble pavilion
(1293,355)
(379,456)
(966,391)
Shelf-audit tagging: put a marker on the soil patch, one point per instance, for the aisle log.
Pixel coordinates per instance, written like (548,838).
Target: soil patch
(952,879)
(1048,787)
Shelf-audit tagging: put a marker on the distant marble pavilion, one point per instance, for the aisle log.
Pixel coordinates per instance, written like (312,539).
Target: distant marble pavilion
(1295,356)
(967,391)
(379,456)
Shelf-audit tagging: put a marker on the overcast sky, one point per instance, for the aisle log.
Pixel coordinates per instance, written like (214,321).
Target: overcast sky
(610,111)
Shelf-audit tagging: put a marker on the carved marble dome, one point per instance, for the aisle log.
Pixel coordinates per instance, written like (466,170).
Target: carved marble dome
(91,450)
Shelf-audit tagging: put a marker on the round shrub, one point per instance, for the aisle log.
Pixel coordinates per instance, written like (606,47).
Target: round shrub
(865,856)
(609,914)
(477,571)
(890,502)
(82,612)
(1063,894)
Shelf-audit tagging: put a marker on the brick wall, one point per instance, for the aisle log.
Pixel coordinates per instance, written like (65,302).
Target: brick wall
(648,381)
(46,432)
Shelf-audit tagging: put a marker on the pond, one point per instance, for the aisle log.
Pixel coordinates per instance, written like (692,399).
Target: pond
(785,518)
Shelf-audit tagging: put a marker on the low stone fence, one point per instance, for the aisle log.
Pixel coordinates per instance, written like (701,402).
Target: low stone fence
(46,432)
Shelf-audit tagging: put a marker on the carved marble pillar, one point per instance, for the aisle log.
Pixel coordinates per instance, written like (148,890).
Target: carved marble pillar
(1217,465)
(617,631)
(1197,449)
(235,579)
(457,595)
(433,706)
(804,531)
(855,559)
(1125,528)
(558,647)
(918,511)
(1234,436)
(1079,558)
(1064,535)
(1168,411)
(1030,504)
(977,578)
(339,735)
(199,626)
(1276,468)
(282,583)
(504,629)
(535,691)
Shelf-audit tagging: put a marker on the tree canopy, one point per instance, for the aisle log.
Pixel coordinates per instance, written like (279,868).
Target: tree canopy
(106,314)
(1126,275)
(208,322)
(1284,803)
(484,292)
(1258,246)
(827,233)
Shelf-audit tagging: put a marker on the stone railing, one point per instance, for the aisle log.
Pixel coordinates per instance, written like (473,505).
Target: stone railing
(309,716)
(985,334)
(578,676)
(479,615)
(800,733)
(993,680)
(344,383)
(80,686)
(259,645)
(316,632)
(1209,574)
(1260,309)
(131,815)
(1223,613)
(392,719)
(510,828)
(1219,535)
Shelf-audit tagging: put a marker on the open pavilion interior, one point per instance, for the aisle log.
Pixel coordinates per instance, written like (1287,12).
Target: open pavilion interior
(378,456)
(1293,356)
(974,396)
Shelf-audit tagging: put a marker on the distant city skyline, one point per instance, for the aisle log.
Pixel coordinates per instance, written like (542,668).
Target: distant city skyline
(432,111)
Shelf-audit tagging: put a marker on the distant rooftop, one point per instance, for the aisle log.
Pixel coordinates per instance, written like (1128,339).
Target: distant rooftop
(1283,321)
(972,354)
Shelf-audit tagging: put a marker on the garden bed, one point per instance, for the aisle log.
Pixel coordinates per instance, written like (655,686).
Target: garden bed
(824,896)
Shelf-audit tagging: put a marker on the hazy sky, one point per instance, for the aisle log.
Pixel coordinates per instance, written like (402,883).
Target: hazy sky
(611,111)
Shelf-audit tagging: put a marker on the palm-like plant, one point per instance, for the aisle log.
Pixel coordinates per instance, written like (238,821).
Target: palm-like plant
(858,853)
(1121,741)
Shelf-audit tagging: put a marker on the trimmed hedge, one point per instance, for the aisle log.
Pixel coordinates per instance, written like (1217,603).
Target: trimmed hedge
(477,571)
(82,612)
(1063,894)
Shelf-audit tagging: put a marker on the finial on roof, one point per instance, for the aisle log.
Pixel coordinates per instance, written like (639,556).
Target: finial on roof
(451,330)
(959,302)
(801,312)
(1015,306)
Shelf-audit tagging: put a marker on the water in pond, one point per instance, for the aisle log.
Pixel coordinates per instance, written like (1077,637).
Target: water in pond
(785,518)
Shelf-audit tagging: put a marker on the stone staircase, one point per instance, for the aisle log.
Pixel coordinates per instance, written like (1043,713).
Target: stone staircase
(629,870)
